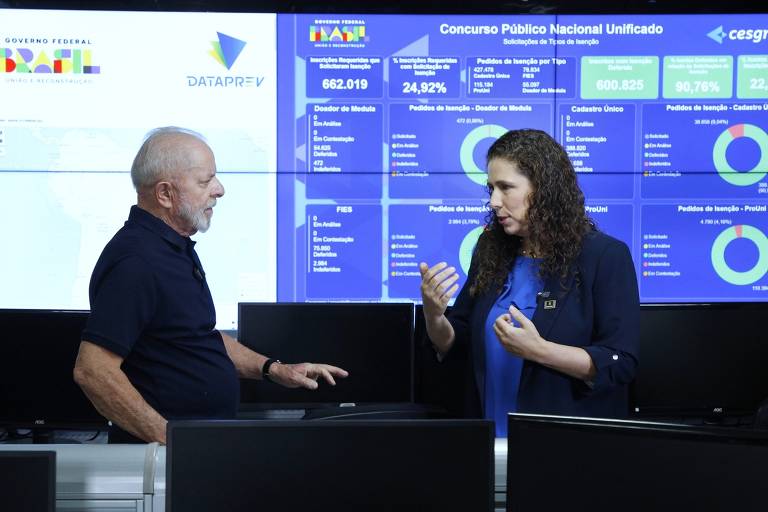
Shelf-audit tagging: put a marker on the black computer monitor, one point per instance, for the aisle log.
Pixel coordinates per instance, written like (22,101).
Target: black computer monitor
(38,349)
(701,360)
(404,465)
(27,480)
(373,341)
(561,463)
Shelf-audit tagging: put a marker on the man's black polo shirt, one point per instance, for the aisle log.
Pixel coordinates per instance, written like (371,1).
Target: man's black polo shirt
(150,304)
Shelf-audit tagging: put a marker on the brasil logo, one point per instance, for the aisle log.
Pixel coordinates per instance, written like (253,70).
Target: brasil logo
(336,34)
(226,50)
(65,60)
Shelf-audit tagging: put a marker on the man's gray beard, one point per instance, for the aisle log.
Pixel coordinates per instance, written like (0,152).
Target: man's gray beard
(197,219)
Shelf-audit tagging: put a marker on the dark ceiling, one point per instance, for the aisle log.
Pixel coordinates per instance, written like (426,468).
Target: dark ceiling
(416,6)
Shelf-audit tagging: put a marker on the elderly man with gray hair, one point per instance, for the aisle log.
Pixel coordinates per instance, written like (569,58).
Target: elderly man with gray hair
(150,351)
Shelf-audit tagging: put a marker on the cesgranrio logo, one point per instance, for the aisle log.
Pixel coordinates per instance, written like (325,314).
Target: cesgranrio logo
(756,35)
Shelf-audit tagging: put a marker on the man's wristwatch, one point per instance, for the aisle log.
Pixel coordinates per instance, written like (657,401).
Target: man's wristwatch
(265,368)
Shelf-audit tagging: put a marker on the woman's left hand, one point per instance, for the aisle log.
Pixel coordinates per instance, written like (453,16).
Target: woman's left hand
(518,335)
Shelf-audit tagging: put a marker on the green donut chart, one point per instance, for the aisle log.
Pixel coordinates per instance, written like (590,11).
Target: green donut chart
(467,247)
(726,171)
(718,255)
(466,153)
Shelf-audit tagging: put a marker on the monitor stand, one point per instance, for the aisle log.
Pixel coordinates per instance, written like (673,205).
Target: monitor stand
(405,410)
(49,436)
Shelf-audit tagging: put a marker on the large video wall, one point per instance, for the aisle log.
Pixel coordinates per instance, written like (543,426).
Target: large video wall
(386,120)
(352,147)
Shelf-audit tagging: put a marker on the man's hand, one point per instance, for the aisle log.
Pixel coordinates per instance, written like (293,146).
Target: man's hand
(304,375)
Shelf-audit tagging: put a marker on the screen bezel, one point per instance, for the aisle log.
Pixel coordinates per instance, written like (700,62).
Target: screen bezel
(305,399)
(49,457)
(722,436)
(641,408)
(45,423)
(219,431)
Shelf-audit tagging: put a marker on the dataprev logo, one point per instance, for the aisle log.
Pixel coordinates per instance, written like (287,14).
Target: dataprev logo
(226,50)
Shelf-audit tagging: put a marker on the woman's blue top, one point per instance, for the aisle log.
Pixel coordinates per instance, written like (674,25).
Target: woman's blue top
(502,369)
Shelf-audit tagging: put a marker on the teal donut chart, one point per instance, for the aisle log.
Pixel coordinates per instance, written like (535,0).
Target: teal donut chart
(466,153)
(718,255)
(726,171)
(467,247)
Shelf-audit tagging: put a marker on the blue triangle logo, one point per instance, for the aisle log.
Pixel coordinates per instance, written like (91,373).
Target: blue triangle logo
(230,48)
(717,35)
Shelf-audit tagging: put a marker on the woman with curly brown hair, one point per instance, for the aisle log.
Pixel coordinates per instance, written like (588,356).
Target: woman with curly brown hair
(549,315)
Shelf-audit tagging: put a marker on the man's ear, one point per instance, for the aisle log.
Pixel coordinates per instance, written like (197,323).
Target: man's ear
(164,194)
